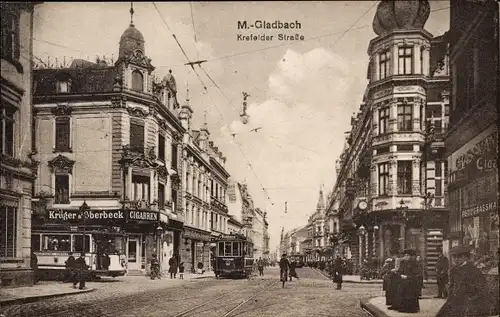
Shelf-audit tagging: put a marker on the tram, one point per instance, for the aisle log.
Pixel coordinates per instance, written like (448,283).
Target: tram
(233,256)
(298,259)
(104,252)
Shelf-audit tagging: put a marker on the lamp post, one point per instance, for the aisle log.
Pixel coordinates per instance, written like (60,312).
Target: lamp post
(404,216)
(84,210)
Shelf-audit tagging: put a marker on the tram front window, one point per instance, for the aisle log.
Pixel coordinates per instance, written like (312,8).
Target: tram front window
(78,245)
(61,243)
(236,249)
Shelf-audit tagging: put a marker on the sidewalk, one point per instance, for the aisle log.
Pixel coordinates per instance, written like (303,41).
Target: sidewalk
(43,290)
(375,306)
(51,289)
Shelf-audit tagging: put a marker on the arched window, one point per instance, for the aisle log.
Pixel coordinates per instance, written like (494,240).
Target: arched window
(137,81)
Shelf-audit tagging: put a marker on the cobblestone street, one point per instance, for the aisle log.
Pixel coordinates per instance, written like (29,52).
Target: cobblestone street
(312,295)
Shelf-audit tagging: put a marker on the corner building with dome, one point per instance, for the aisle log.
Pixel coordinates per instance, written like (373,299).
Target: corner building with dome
(108,136)
(391,176)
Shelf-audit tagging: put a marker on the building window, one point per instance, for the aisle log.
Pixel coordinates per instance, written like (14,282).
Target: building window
(422,119)
(161,195)
(384,64)
(64,87)
(382,150)
(405,148)
(383,179)
(161,147)
(140,187)
(137,81)
(7,131)
(137,137)
(437,126)
(61,189)
(8,225)
(439,188)
(174,156)
(404,177)
(383,116)
(405,60)
(405,114)
(438,170)
(10,35)
(434,111)
(62,134)
(174,199)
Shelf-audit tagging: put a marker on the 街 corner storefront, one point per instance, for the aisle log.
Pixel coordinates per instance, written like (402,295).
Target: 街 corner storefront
(473,196)
(133,234)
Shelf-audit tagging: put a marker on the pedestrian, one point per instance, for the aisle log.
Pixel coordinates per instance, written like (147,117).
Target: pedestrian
(421,269)
(155,267)
(34,267)
(386,276)
(467,295)
(70,266)
(80,276)
(338,272)
(395,283)
(181,270)
(260,265)
(410,283)
(442,275)
(293,272)
(172,263)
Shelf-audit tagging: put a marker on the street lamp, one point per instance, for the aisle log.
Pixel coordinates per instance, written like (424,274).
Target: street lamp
(84,210)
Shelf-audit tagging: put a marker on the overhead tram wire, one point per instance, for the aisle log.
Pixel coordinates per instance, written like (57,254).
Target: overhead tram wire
(204,86)
(241,53)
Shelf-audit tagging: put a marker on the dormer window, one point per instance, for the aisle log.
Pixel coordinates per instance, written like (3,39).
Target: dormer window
(64,86)
(137,81)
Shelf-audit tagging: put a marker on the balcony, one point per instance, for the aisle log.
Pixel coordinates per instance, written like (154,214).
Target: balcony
(143,157)
(214,202)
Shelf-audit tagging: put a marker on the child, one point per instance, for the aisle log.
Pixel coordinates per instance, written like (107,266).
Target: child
(181,270)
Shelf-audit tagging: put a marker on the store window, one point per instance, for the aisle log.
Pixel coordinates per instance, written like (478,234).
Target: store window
(8,231)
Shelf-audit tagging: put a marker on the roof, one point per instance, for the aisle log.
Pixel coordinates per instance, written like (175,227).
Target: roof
(89,79)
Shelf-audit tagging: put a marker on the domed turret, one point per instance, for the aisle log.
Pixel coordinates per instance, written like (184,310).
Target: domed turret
(131,41)
(400,15)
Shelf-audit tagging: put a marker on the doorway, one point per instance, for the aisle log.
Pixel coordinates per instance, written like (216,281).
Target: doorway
(134,254)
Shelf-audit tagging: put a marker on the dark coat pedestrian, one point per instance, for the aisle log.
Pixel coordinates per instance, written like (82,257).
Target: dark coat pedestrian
(442,275)
(70,267)
(467,296)
(386,276)
(173,263)
(394,284)
(410,284)
(338,272)
(81,270)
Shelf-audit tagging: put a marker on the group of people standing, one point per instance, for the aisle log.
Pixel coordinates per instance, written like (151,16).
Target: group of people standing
(76,270)
(403,282)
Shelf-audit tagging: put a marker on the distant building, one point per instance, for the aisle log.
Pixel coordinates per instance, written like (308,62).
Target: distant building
(18,168)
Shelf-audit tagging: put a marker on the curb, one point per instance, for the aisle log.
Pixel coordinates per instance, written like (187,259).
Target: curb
(372,310)
(32,299)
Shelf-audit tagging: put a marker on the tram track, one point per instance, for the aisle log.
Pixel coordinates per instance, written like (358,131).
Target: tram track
(232,309)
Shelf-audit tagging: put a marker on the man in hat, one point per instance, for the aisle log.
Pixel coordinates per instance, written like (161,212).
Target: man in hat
(410,284)
(70,266)
(442,275)
(82,268)
(467,287)
(284,267)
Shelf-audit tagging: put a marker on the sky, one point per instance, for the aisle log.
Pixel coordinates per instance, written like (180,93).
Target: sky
(302,94)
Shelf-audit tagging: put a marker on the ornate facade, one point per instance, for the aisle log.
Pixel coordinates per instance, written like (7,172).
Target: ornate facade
(391,179)
(18,167)
(109,136)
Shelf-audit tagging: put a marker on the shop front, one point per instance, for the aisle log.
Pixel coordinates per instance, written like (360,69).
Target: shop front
(143,231)
(169,240)
(195,252)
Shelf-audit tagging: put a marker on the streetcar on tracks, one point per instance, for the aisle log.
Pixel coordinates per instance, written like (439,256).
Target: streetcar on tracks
(101,254)
(298,259)
(233,256)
